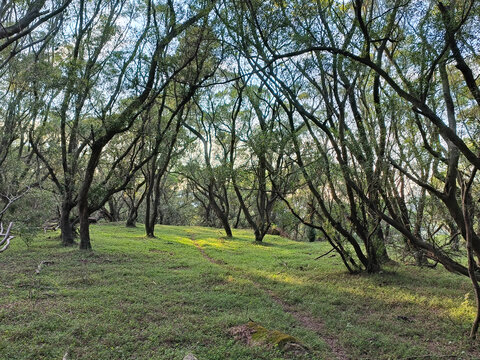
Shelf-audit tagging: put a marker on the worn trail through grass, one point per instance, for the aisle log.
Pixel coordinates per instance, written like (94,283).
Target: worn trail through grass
(306,320)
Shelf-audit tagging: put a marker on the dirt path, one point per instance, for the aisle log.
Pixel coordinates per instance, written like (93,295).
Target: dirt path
(305,319)
(205,255)
(309,322)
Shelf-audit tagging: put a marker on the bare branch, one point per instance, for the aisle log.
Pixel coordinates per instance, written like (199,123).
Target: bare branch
(5,242)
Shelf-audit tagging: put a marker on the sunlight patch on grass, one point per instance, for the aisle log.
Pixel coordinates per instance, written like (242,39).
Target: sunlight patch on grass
(219,244)
(466,310)
(279,277)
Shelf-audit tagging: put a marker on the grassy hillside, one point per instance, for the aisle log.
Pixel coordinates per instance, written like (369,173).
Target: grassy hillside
(139,298)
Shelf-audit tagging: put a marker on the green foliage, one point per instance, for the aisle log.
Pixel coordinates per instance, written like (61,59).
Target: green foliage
(30,212)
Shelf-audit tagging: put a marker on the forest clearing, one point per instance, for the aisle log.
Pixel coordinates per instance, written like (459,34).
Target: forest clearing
(183,292)
(239,179)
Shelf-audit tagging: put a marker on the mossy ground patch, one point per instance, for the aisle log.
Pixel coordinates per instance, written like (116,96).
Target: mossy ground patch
(253,334)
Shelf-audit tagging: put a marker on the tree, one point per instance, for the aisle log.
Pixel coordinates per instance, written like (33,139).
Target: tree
(86,64)
(353,44)
(210,183)
(26,31)
(134,196)
(92,113)
(266,144)
(348,41)
(164,144)
(195,53)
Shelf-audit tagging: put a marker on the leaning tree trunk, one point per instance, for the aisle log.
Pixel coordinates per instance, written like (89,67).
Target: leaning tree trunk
(237,221)
(83,209)
(222,215)
(468,214)
(5,241)
(248,216)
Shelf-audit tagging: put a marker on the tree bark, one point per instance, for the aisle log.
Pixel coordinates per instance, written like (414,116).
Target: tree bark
(66,226)
(85,243)
(83,209)
(468,214)
(132,217)
(222,215)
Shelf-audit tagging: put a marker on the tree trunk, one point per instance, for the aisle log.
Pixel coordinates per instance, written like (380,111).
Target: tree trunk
(237,221)
(114,210)
(454,235)
(83,210)
(161,218)
(150,210)
(150,215)
(381,247)
(133,213)
(258,236)
(150,230)
(373,266)
(84,226)
(66,226)
(150,218)
(419,254)
(221,214)
(132,217)
(468,214)
(227,228)
(154,185)
(133,209)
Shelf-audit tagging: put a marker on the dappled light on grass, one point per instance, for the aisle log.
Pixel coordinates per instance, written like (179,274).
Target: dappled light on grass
(396,297)
(466,311)
(220,244)
(279,277)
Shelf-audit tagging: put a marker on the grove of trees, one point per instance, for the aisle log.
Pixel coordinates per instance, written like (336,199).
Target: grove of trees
(355,122)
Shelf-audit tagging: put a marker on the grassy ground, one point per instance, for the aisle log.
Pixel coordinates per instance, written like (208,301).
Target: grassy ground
(139,298)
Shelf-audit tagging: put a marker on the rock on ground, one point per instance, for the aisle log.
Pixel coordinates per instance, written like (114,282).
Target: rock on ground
(190,357)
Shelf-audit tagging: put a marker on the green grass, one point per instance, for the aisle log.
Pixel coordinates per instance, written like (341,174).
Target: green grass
(139,298)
